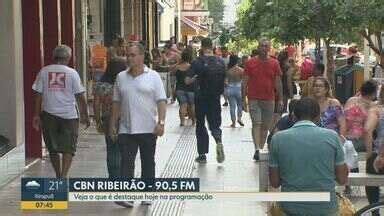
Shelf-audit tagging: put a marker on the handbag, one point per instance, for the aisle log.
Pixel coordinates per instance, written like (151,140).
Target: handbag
(346,208)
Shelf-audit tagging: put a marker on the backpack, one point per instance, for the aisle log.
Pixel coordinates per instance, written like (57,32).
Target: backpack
(212,77)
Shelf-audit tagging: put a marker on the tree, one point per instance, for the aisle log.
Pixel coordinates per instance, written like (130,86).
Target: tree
(216,11)
(369,19)
(291,21)
(242,44)
(225,37)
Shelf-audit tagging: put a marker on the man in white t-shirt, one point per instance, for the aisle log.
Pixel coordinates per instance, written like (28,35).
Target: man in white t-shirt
(58,88)
(139,103)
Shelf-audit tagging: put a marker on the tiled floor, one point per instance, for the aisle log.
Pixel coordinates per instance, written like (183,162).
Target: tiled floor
(237,173)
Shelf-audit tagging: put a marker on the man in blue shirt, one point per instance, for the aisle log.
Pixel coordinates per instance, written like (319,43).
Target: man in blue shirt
(307,158)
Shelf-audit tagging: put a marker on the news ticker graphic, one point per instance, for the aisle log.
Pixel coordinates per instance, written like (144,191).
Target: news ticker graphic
(44,193)
(51,193)
(134,185)
(217,196)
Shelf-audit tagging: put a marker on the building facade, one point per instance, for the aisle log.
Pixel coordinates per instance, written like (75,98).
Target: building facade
(33,28)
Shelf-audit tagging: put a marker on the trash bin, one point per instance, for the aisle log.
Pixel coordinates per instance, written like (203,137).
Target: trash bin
(348,80)
(343,83)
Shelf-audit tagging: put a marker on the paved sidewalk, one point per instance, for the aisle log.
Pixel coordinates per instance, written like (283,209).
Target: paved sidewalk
(175,153)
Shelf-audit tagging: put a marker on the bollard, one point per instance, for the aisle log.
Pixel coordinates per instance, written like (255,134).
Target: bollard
(263,171)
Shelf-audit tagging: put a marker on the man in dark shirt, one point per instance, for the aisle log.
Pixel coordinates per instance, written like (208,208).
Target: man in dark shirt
(209,72)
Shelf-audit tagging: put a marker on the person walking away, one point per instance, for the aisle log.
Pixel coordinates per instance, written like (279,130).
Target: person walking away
(208,71)
(306,70)
(307,158)
(375,147)
(261,80)
(139,106)
(156,59)
(286,78)
(285,122)
(103,92)
(172,59)
(234,81)
(58,88)
(185,93)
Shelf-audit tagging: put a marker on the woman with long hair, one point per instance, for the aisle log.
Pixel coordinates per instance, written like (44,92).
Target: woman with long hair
(234,80)
(331,111)
(185,93)
(103,91)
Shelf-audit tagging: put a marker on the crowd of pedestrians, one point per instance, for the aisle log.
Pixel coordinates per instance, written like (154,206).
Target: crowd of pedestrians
(309,148)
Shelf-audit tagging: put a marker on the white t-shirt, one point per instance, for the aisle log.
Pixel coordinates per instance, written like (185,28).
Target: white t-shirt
(58,84)
(138,97)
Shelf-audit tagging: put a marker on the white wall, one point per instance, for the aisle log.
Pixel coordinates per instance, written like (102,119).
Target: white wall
(11,64)
(167,23)
(11,89)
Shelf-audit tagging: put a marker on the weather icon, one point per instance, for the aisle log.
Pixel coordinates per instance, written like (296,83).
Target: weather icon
(32,185)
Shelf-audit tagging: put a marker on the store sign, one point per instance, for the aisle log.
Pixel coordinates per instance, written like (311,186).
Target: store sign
(189,5)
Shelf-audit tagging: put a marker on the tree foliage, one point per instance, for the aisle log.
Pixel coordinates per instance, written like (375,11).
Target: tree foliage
(368,17)
(242,44)
(216,10)
(290,21)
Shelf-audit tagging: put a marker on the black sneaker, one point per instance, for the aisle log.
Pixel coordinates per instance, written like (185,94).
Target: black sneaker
(201,159)
(225,104)
(256,156)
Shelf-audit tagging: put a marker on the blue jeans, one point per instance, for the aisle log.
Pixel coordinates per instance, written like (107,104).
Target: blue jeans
(113,151)
(209,108)
(235,100)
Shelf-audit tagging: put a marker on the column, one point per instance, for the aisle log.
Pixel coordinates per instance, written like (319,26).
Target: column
(51,28)
(80,38)
(32,63)
(11,82)
(367,73)
(112,20)
(67,11)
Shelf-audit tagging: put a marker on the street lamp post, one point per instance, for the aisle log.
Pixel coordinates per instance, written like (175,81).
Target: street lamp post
(210,23)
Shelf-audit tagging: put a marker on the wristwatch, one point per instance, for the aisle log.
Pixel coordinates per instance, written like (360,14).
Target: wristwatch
(161,122)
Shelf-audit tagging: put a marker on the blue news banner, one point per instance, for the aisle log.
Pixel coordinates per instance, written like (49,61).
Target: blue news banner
(52,193)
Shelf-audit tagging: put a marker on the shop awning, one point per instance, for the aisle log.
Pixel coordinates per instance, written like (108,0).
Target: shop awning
(189,27)
(193,24)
